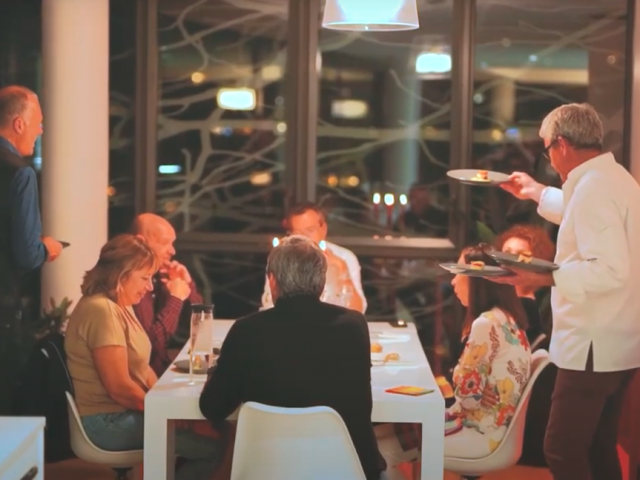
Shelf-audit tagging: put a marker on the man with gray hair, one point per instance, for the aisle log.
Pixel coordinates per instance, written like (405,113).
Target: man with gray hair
(595,340)
(300,353)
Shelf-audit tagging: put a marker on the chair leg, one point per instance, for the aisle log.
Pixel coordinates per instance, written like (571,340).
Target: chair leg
(122,473)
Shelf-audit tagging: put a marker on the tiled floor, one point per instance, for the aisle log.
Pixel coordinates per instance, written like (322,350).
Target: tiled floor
(77,469)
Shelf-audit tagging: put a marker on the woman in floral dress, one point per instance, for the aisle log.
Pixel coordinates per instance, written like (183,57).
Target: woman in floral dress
(488,380)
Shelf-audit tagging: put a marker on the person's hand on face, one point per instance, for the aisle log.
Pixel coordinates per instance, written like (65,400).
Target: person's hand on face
(522,186)
(178,288)
(54,248)
(173,270)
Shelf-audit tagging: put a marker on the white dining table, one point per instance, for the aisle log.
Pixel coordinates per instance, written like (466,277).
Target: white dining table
(173,398)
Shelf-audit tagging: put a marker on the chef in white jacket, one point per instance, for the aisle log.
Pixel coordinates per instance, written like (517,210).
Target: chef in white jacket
(595,340)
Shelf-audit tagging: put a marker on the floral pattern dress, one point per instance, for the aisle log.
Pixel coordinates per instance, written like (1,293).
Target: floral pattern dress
(496,357)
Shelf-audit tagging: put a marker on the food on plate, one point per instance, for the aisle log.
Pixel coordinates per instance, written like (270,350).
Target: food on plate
(481,176)
(197,362)
(392,357)
(376,348)
(525,257)
(477,265)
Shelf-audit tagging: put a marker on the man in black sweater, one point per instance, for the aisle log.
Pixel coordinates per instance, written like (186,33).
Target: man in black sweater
(301,353)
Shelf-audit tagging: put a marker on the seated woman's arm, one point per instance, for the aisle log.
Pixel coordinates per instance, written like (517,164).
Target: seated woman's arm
(471,374)
(112,365)
(152,378)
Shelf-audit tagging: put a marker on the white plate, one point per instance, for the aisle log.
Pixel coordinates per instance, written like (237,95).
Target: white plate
(469,177)
(486,271)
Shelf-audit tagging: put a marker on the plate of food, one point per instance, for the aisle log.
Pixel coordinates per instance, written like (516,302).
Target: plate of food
(200,365)
(484,178)
(475,269)
(523,260)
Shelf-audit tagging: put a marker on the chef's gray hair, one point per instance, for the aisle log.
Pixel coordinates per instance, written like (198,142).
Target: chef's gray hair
(578,123)
(298,266)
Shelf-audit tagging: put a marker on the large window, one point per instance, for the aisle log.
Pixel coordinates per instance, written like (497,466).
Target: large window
(384,128)
(122,87)
(221,129)
(531,57)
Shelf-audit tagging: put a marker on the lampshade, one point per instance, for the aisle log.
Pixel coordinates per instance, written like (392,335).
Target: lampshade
(371,15)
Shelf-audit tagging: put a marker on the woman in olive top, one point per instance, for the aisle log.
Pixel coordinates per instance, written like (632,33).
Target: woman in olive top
(108,356)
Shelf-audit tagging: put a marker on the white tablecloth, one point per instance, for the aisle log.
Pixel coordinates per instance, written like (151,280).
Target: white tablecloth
(173,399)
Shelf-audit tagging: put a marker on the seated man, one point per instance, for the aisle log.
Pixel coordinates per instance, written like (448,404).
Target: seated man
(161,310)
(343,286)
(315,353)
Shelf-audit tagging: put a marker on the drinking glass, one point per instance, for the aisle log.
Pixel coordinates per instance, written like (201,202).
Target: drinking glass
(201,339)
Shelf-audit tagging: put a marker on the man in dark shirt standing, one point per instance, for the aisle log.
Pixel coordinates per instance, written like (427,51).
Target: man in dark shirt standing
(300,353)
(169,303)
(23,250)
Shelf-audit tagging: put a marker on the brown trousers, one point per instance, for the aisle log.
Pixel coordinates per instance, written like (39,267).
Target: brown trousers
(581,438)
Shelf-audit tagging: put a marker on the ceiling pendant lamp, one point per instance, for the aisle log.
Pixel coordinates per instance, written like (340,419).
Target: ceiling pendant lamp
(371,15)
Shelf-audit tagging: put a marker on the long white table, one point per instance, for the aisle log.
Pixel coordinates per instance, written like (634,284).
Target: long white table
(172,398)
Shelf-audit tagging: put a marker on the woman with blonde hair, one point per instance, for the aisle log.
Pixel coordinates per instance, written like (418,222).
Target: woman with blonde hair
(108,355)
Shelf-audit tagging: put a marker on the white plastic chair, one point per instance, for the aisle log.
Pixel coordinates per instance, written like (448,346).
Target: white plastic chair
(121,462)
(291,443)
(539,339)
(508,452)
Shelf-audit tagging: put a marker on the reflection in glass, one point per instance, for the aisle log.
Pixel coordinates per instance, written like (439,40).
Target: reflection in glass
(221,115)
(529,60)
(383,128)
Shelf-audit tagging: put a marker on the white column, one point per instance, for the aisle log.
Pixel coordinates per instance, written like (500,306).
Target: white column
(75,164)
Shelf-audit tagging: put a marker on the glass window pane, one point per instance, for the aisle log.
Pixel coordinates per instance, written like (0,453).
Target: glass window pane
(122,88)
(221,129)
(531,58)
(383,128)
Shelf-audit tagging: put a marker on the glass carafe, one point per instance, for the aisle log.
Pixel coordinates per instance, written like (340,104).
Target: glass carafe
(201,342)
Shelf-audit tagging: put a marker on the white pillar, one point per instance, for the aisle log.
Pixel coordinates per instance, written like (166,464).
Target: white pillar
(75,164)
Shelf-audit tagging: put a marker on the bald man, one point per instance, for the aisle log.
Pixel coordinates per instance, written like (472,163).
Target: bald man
(23,249)
(161,310)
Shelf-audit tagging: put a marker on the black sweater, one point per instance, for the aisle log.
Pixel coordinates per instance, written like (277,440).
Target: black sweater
(301,353)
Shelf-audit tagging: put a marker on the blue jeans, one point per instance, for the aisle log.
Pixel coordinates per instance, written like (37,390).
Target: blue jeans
(122,431)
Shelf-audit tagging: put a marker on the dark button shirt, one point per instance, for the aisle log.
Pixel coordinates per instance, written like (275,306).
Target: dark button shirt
(159,313)
(28,250)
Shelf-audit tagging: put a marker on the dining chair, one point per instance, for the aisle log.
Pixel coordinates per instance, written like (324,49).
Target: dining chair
(509,451)
(121,462)
(311,443)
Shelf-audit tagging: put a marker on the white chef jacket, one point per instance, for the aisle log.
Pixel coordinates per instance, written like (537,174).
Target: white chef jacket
(596,298)
(353,267)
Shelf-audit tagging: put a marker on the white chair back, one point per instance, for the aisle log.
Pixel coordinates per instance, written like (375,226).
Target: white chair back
(510,449)
(291,443)
(86,450)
